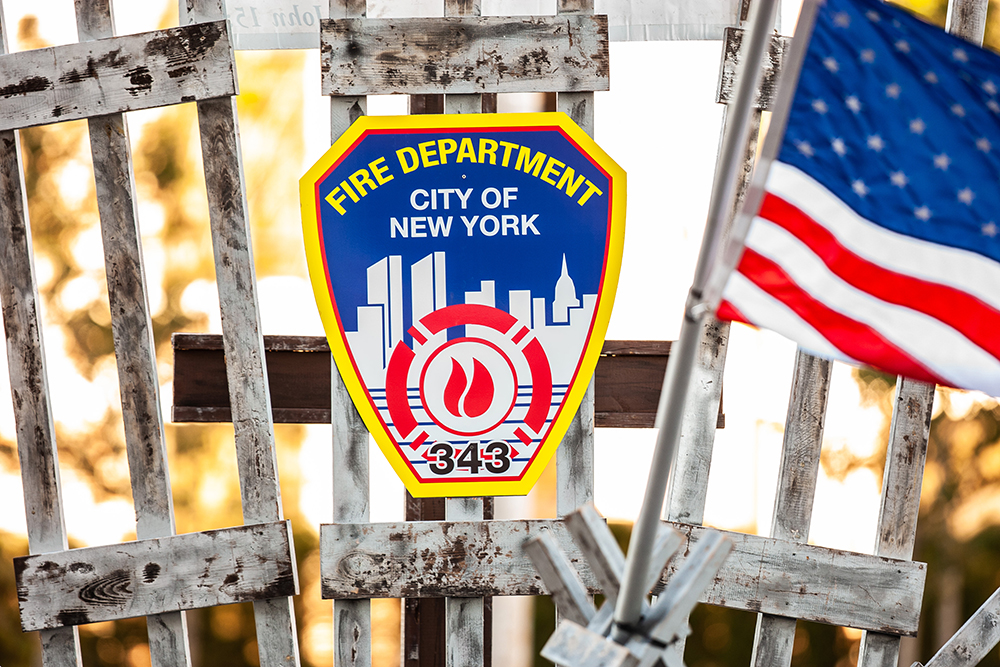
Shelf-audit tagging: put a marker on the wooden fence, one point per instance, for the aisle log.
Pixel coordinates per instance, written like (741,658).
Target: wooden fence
(779,576)
(58,589)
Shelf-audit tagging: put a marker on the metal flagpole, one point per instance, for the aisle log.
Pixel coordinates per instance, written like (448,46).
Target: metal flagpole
(675,383)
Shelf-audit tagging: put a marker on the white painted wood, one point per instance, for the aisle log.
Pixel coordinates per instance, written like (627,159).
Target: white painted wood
(967,19)
(592,535)
(133,337)
(277,641)
(666,619)
(352,632)
(774,637)
(575,459)
(464,616)
(468,54)
(901,483)
(438,559)
(117,74)
(732,41)
(567,591)
(36,446)
(154,576)
(688,486)
(572,645)
(974,640)
(689,476)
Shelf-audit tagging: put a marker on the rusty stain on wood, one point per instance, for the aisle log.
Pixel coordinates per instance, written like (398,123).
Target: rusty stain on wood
(469,54)
(116,74)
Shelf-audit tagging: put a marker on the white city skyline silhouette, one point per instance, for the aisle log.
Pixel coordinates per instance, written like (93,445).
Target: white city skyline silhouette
(380,322)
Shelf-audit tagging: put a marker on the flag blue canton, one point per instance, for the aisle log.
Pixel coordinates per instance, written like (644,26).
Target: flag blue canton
(902,122)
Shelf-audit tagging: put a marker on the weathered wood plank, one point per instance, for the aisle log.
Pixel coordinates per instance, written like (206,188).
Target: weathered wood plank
(686,493)
(967,19)
(352,632)
(277,641)
(974,639)
(813,583)
(117,74)
(154,576)
(732,41)
(575,459)
(426,559)
(626,387)
(574,645)
(464,55)
(36,445)
(774,637)
(464,616)
(132,332)
(567,591)
(900,503)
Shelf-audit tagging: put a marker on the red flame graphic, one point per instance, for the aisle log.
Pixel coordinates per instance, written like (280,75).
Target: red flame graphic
(468,400)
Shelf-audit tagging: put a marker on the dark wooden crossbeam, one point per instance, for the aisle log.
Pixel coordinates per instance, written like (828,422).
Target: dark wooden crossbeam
(627,386)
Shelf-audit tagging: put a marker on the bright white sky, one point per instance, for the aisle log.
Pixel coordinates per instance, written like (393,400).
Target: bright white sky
(661,124)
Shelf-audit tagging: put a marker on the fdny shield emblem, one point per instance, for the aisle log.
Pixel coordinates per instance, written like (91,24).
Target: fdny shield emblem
(465,268)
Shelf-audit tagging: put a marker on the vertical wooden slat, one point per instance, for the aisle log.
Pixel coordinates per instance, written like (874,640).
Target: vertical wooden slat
(277,643)
(464,618)
(36,443)
(351,618)
(423,638)
(352,631)
(575,456)
(793,502)
(578,106)
(133,337)
(911,423)
(901,483)
(688,486)
(575,459)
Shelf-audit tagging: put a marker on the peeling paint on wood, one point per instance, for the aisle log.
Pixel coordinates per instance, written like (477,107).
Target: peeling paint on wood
(431,559)
(464,55)
(732,41)
(900,501)
(774,637)
(116,74)
(813,583)
(154,576)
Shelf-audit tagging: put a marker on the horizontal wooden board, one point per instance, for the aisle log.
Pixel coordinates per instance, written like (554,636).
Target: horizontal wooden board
(627,387)
(469,54)
(148,577)
(117,74)
(733,39)
(440,558)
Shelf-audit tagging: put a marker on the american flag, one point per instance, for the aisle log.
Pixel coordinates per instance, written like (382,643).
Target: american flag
(877,240)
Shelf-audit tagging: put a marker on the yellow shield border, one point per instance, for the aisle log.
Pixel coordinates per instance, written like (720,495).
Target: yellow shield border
(311,225)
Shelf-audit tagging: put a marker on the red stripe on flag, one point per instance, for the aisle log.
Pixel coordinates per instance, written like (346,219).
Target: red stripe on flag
(976,320)
(853,338)
(728,311)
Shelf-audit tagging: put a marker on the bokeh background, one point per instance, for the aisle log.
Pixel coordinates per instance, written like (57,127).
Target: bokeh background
(661,123)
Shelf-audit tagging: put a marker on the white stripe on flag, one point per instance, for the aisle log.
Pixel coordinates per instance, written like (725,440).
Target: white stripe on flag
(759,306)
(960,269)
(946,352)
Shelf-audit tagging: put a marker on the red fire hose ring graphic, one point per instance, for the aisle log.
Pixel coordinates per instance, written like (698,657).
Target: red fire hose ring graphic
(460,315)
